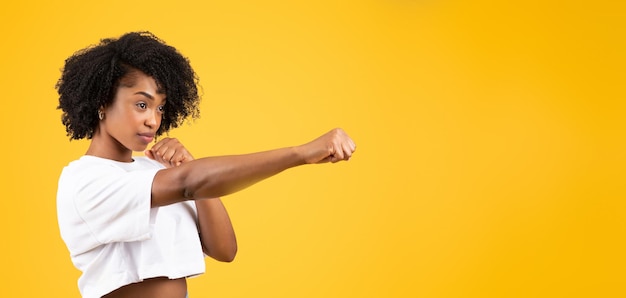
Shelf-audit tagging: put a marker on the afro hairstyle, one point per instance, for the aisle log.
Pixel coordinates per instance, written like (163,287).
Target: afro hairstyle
(91,77)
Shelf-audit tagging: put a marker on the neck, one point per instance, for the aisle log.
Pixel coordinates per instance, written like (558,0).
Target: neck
(109,148)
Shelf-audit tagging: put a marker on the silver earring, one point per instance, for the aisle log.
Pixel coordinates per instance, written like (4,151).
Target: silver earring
(100,114)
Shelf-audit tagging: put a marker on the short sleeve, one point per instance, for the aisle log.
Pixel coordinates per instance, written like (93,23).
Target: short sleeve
(115,204)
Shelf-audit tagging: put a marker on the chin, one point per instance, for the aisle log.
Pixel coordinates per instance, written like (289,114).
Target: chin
(139,148)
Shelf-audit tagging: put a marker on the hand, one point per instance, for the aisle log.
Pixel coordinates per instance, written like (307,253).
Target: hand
(333,146)
(169,152)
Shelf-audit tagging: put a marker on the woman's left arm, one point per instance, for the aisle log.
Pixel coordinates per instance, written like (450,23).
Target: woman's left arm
(216,230)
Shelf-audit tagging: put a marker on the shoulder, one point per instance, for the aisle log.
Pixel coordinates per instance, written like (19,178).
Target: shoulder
(87,163)
(139,162)
(145,163)
(91,165)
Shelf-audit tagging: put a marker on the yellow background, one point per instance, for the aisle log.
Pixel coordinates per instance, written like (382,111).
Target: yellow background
(490,135)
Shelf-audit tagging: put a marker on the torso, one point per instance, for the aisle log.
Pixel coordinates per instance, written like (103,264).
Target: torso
(173,248)
(159,287)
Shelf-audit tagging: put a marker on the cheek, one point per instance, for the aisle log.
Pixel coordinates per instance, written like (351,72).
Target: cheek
(128,119)
(160,122)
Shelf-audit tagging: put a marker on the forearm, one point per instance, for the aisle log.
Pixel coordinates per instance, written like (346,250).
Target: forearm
(212,177)
(219,176)
(216,230)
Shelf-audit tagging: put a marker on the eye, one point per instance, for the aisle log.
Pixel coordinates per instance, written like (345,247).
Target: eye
(142,105)
(161,109)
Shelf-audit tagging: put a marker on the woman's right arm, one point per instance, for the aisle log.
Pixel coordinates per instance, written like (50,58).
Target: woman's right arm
(212,177)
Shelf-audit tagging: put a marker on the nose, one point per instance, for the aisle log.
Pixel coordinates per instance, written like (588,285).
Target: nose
(153,119)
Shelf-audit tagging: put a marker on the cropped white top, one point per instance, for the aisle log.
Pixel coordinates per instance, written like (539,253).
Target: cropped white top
(113,235)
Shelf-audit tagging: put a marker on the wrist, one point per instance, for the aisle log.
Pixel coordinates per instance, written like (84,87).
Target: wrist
(299,155)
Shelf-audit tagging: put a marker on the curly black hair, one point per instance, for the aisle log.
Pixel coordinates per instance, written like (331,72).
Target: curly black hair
(91,76)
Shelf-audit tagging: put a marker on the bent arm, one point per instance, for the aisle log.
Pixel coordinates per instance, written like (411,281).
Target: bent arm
(216,230)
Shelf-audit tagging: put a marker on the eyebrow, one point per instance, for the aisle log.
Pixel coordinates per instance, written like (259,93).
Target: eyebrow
(145,94)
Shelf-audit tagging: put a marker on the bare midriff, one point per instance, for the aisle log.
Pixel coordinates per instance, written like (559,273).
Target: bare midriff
(159,287)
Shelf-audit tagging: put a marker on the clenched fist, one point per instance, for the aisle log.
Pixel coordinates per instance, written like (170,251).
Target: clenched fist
(169,152)
(333,146)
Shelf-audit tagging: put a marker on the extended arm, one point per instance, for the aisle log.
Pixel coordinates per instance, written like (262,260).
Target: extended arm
(218,176)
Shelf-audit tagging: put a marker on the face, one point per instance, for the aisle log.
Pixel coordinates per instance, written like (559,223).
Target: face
(131,121)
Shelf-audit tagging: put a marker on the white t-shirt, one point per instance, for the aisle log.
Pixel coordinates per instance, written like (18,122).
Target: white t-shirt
(113,236)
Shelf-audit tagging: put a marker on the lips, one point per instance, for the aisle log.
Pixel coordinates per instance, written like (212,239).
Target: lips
(146,137)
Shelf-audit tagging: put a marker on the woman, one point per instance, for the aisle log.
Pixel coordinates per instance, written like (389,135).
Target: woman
(139,226)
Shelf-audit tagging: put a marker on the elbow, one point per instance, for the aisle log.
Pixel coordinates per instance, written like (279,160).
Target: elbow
(227,258)
(225,255)
(228,255)
(222,252)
